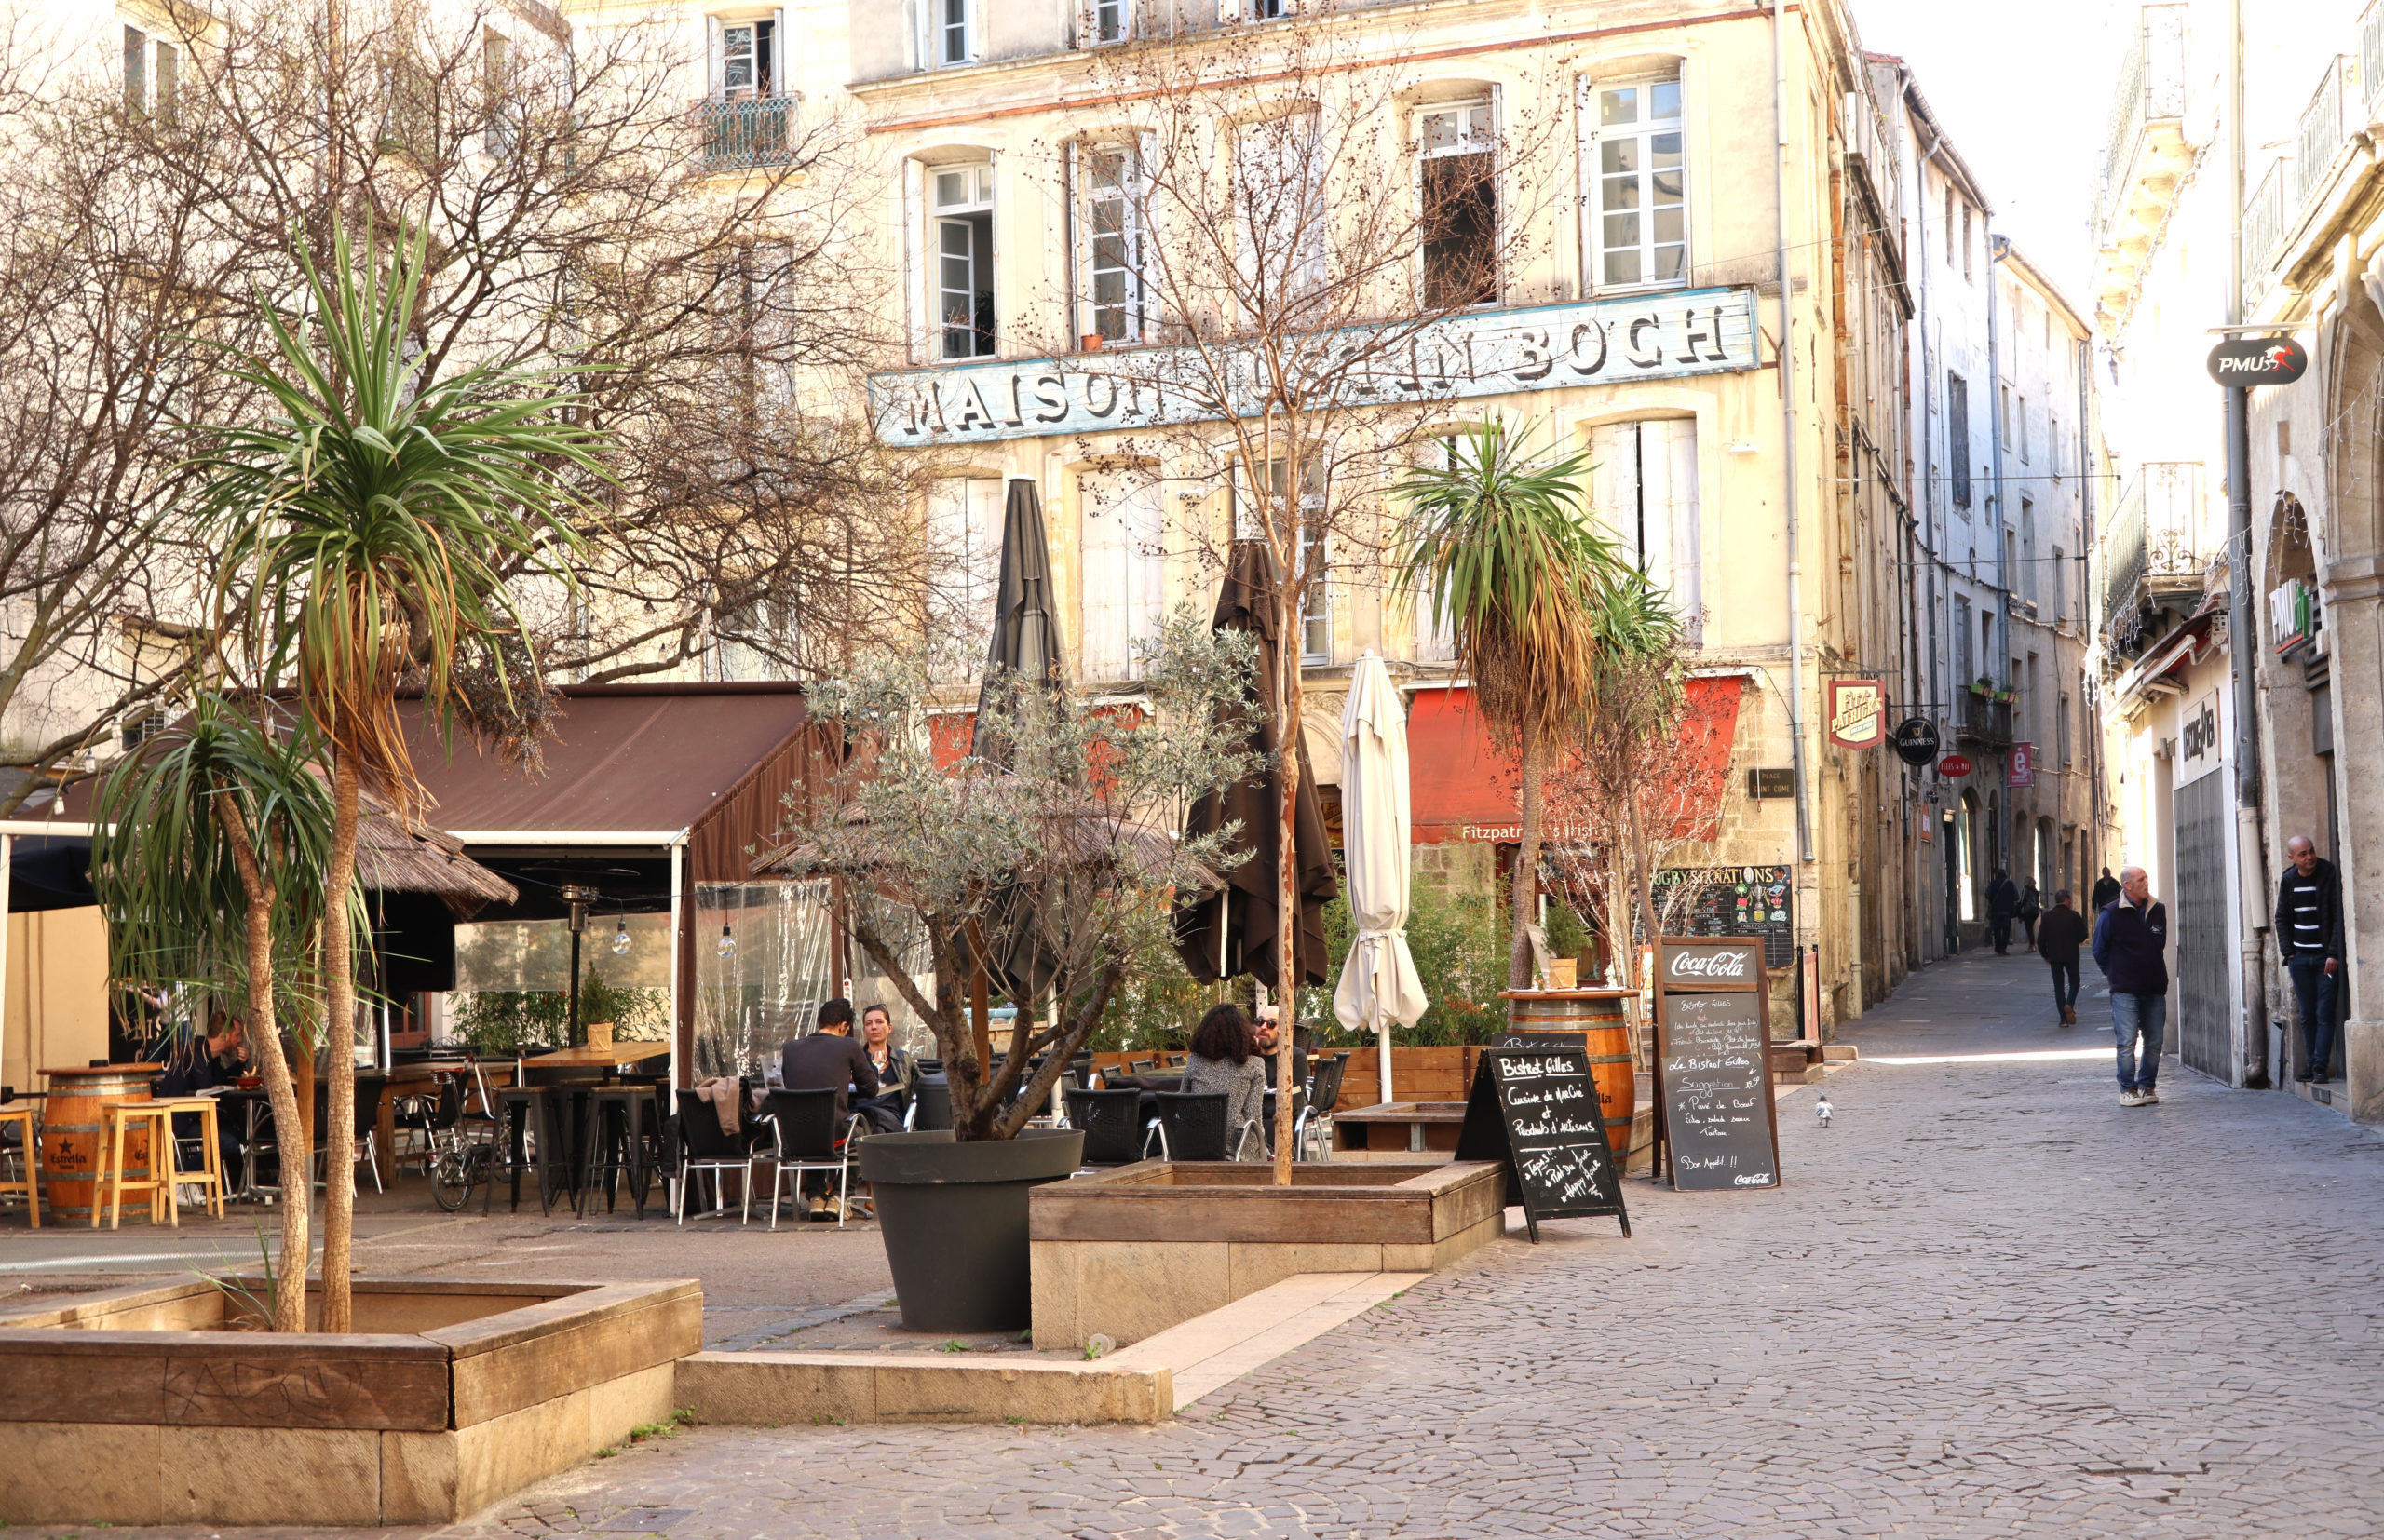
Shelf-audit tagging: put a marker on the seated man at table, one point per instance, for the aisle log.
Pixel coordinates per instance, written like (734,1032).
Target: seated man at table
(1270,1037)
(828,1059)
(198,1063)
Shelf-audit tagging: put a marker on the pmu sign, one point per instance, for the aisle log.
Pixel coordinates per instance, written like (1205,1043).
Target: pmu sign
(2248,361)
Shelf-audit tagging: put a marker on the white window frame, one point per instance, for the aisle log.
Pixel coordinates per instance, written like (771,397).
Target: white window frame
(1083,159)
(1121,580)
(976,198)
(1659,536)
(1317,612)
(964,520)
(941,32)
(1108,22)
(1646,130)
(1472,138)
(1254,142)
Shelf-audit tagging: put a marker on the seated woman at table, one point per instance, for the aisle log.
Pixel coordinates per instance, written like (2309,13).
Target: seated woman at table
(1223,1059)
(896,1071)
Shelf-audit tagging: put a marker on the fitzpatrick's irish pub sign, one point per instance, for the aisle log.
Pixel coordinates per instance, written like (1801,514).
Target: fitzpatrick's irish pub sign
(1490,353)
(1857,712)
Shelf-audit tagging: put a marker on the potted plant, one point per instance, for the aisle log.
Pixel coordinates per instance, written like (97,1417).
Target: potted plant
(1041,862)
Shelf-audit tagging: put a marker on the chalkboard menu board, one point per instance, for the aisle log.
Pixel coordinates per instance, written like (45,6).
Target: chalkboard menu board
(1737,900)
(1713,1069)
(1536,1110)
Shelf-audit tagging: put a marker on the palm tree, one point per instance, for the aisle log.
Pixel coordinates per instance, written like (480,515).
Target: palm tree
(370,525)
(1499,544)
(223,817)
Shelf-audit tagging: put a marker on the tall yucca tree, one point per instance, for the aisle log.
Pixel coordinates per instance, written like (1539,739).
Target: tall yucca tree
(1498,542)
(369,526)
(213,841)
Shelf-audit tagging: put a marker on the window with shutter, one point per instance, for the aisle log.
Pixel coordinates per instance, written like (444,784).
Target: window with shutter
(1643,494)
(1121,596)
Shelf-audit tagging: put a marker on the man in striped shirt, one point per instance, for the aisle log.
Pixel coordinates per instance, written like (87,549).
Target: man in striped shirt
(2309,934)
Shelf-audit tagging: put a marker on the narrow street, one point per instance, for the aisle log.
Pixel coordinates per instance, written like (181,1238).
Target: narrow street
(1989,1302)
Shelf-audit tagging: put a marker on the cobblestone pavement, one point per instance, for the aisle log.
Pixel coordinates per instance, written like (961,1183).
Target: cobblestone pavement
(1989,1302)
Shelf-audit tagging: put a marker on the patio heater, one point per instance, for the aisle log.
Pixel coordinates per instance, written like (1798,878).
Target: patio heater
(578,896)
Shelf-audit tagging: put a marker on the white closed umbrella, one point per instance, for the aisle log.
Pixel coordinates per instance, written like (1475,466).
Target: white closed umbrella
(1380,984)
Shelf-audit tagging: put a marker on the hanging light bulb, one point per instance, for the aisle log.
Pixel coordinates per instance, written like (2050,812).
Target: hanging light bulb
(621,938)
(728,943)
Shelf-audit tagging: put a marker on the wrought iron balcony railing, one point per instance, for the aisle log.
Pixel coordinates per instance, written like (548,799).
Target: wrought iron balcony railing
(747,134)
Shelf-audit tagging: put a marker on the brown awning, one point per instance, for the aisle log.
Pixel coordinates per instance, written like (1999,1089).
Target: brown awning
(641,761)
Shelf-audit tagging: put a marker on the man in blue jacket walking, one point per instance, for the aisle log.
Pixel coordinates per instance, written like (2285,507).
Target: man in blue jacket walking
(2131,945)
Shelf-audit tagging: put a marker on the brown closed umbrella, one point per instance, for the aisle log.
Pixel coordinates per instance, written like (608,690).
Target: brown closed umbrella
(1224,934)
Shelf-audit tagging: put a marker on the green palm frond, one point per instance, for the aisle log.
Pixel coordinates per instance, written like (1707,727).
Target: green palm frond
(376,519)
(1498,544)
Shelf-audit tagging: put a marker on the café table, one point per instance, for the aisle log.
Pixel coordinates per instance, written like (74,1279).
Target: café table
(1392,1130)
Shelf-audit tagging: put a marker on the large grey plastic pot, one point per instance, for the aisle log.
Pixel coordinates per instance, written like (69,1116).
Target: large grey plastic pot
(954,1217)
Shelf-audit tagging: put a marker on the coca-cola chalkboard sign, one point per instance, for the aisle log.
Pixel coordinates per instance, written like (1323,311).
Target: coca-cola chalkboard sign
(1713,1066)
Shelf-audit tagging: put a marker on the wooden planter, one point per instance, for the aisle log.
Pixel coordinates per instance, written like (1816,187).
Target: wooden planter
(1135,1251)
(141,1406)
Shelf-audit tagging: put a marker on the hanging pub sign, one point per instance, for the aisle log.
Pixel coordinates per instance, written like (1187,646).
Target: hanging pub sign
(1916,741)
(1857,712)
(2258,361)
(1953,766)
(2023,765)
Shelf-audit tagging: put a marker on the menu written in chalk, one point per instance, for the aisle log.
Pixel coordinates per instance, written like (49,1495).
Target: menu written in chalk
(1536,1109)
(1718,1091)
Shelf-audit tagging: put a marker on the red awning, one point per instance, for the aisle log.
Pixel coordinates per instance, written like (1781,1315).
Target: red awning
(1461,785)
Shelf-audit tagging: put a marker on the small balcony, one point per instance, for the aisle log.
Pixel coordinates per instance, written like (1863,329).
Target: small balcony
(2147,153)
(1983,722)
(747,134)
(2156,551)
(2263,228)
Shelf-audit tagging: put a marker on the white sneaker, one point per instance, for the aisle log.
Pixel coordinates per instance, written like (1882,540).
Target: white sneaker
(2132,1099)
(2148,1098)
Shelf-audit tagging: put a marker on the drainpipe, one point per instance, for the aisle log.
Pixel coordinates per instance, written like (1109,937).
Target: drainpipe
(1998,248)
(2250,1045)
(1788,472)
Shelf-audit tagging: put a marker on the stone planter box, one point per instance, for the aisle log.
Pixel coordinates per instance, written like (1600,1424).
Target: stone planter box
(1137,1249)
(145,1405)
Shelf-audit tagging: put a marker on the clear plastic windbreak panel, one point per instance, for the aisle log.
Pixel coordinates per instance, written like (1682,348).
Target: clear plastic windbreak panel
(761,970)
(871,986)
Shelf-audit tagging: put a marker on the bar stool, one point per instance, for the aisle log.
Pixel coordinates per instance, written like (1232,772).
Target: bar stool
(525,1115)
(618,1126)
(22,1117)
(208,1176)
(118,1119)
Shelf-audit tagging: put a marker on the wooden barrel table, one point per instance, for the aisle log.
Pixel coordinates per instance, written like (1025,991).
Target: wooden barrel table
(1595,1016)
(72,1128)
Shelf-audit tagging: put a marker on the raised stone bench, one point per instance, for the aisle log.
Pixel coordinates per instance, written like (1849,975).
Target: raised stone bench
(147,1405)
(1132,1251)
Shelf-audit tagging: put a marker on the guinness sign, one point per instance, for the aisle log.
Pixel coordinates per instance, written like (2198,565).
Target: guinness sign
(1916,741)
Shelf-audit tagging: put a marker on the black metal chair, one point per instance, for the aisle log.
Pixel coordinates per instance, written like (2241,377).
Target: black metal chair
(930,1105)
(703,1147)
(1314,1128)
(1112,1122)
(806,1136)
(1192,1127)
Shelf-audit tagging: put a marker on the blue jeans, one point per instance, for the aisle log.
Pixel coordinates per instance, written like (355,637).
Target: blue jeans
(2065,984)
(2317,990)
(2134,1015)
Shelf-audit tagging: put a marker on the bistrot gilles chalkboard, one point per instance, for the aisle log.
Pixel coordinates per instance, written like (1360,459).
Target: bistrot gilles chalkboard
(1713,1065)
(1537,1111)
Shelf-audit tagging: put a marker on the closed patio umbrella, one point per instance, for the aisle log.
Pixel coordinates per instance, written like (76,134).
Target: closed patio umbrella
(1225,933)
(1379,983)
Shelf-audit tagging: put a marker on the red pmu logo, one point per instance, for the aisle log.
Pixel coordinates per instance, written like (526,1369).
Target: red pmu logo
(2279,358)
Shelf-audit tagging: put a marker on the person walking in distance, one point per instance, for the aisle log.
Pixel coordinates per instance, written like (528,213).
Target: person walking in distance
(2131,946)
(2002,900)
(2309,934)
(2059,934)
(2106,893)
(2032,904)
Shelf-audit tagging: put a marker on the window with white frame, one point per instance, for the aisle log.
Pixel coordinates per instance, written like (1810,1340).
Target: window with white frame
(1642,492)
(965,532)
(1638,219)
(1458,194)
(1435,638)
(961,230)
(1315,615)
(1315,553)
(1278,208)
(1109,20)
(1110,216)
(152,72)
(955,29)
(1121,587)
(746,63)
(1261,10)
(755,637)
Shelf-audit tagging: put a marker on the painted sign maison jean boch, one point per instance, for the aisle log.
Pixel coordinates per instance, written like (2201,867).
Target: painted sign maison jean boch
(1493,353)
